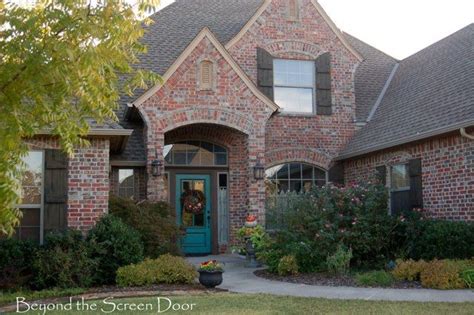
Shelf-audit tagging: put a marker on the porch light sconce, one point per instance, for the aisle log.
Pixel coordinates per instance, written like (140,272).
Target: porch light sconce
(259,171)
(156,168)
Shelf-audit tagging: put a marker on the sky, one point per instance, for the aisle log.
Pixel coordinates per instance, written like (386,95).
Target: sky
(399,28)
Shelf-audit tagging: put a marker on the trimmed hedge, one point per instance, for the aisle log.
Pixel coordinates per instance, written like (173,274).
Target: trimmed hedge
(156,223)
(165,269)
(442,240)
(63,262)
(113,244)
(16,262)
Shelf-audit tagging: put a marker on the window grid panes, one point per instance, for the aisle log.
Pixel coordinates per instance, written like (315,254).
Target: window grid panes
(126,183)
(399,177)
(31,197)
(195,153)
(296,177)
(294,85)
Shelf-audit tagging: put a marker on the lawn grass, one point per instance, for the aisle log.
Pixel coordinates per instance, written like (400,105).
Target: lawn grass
(230,303)
(10,297)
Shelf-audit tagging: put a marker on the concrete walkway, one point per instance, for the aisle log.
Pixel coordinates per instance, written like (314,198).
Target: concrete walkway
(239,279)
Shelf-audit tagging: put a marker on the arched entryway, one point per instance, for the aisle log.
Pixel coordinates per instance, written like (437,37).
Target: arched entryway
(207,162)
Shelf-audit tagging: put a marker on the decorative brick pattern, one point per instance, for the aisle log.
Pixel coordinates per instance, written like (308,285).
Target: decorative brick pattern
(447,173)
(304,39)
(88,180)
(232,105)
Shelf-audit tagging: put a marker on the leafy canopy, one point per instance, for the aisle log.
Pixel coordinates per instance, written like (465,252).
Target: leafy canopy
(63,62)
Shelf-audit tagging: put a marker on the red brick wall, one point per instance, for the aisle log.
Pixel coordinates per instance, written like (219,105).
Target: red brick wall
(447,173)
(231,104)
(308,138)
(236,144)
(88,180)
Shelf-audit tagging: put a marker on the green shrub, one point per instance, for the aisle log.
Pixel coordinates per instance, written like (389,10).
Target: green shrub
(156,223)
(113,244)
(408,270)
(16,260)
(320,220)
(339,262)
(468,277)
(288,266)
(442,274)
(442,240)
(374,278)
(63,262)
(165,269)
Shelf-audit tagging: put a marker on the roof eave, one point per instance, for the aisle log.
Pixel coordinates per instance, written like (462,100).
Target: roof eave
(420,136)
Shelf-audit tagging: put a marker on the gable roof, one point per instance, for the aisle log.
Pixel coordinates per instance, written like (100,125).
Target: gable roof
(370,77)
(206,33)
(431,93)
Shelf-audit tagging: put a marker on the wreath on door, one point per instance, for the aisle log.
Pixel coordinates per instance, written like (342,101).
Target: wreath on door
(194,201)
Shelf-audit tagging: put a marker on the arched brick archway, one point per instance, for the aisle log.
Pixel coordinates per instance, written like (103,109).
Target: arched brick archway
(286,155)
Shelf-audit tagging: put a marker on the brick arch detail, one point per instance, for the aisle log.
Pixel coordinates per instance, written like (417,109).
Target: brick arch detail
(206,115)
(303,155)
(294,46)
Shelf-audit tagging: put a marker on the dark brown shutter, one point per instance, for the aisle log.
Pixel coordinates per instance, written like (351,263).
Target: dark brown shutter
(382,174)
(323,85)
(336,174)
(416,187)
(55,191)
(265,72)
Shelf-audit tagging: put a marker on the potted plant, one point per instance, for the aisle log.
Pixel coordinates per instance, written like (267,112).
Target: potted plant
(210,273)
(253,235)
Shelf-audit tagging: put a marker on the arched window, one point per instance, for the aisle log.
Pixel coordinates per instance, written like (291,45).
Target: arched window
(293,10)
(195,153)
(298,177)
(206,75)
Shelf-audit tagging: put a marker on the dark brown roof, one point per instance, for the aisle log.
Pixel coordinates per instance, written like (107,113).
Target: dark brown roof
(432,92)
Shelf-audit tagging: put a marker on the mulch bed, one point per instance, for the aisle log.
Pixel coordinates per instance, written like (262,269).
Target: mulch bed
(324,279)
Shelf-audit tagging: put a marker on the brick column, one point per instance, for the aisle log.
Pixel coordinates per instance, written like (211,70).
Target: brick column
(155,184)
(256,188)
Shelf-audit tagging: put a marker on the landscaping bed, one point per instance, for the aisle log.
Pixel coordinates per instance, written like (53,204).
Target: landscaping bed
(325,279)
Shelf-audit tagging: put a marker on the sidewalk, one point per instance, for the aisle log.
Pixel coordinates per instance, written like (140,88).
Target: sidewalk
(239,279)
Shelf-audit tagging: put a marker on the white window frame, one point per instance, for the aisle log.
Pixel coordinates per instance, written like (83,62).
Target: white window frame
(313,178)
(36,206)
(134,173)
(313,88)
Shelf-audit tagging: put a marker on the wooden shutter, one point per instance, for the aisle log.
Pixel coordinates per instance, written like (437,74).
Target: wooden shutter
(416,187)
(382,174)
(336,174)
(265,72)
(323,85)
(55,191)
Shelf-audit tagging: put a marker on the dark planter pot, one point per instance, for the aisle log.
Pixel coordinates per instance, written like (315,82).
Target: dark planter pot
(210,279)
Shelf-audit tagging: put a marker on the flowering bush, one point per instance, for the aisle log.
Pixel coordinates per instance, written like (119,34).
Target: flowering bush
(211,265)
(316,222)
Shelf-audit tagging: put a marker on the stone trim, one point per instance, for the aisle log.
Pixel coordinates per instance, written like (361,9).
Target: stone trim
(294,46)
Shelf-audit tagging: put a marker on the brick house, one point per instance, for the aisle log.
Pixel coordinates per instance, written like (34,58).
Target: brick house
(267,91)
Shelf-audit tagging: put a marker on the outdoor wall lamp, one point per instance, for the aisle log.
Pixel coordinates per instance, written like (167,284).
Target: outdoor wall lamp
(156,168)
(259,171)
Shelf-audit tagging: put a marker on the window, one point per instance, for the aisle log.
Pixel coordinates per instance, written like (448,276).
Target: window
(296,177)
(31,203)
(294,85)
(206,75)
(399,177)
(195,153)
(126,183)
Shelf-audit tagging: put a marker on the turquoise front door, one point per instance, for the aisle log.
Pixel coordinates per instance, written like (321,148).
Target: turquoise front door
(197,239)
